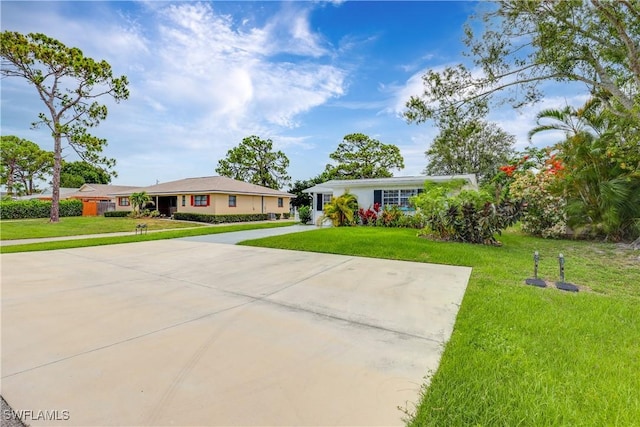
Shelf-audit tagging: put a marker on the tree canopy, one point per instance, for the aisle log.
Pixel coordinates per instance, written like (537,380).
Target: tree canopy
(254,160)
(68,83)
(304,199)
(22,164)
(359,156)
(467,143)
(523,43)
(74,173)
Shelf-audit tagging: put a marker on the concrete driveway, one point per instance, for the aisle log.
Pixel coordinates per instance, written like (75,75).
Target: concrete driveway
(178,332)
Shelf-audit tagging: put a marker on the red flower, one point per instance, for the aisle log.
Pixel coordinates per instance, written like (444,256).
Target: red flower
(509,169)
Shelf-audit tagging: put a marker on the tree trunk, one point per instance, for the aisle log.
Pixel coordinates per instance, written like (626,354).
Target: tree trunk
(55,184)
(10,179)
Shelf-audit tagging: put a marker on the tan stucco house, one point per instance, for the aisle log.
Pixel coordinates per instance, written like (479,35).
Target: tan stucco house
(213,195)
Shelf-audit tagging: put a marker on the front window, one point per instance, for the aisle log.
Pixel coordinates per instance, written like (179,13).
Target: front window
(123,201)
(280,202)
(398,197)
(232,201)
(184,200)
(201,200)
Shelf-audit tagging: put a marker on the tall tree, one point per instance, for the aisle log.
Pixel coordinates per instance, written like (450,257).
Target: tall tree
(255,161)
(303,199)
(524,43)
(22,164)
(73,173)
(467,143)
(68,83)
(359,156)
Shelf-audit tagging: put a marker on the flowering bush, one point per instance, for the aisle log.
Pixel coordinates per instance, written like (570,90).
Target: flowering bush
(545,214)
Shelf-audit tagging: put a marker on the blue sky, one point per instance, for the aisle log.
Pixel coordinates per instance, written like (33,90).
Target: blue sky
(204,75)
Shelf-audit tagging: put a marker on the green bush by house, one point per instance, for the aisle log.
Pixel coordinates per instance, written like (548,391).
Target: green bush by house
(23,209)
(219,219)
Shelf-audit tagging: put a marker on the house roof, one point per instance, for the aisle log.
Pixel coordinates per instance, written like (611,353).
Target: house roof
(99,190)
(398,181)
(48,193)
(205,185)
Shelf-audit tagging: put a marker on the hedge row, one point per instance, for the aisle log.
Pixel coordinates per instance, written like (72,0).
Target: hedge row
(117,214)
(34,208)
(219,219)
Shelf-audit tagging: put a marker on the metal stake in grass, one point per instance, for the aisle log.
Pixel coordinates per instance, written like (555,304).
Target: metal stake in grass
(562,284)
(535,281)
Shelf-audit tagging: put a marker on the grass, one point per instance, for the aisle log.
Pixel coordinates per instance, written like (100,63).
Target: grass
(81,225)
(112,240)
(520,355)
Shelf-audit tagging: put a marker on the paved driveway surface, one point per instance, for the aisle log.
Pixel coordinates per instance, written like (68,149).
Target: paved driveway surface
(179,332)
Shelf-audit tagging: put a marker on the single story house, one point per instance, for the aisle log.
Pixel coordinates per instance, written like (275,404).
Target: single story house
(213,195)
(385,191)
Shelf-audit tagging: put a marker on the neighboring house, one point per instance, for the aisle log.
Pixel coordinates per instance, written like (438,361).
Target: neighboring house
(214,195)
(385,191)
(96,198)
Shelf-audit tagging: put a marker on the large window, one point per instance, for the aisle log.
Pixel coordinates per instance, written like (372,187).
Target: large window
(232,201)
(398,197)
(123,201)
(280,202)
(201,200)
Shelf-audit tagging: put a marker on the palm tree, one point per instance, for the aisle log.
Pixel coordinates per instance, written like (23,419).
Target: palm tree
(139,200)
(341,211)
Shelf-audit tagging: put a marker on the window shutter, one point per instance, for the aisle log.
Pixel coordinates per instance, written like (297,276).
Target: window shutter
(319,202)
(377,197)
(192,200)
(208,198)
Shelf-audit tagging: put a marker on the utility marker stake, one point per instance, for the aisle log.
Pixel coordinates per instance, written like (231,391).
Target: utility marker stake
(535,281)
(562,285)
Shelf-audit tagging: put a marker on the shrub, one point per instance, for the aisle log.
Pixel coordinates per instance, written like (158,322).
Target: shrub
(278,215)
(468,216)
(304,212)
(23,209)
(286,215)
(389,217)
(117,214)
(370,216)
(219,219)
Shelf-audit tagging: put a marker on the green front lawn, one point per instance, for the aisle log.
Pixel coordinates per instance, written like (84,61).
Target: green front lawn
(81,225)
(133,238)
(521,355)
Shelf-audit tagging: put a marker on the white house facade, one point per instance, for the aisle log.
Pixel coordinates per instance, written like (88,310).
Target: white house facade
(385,191)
